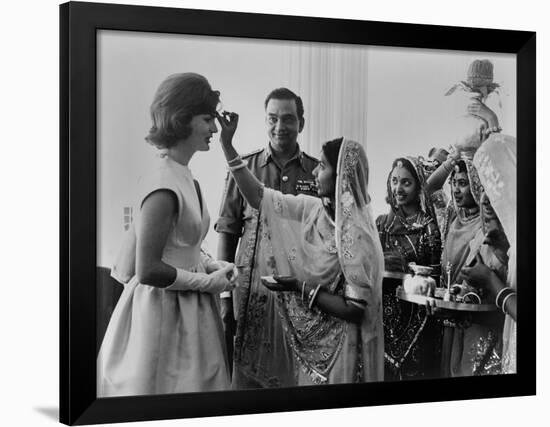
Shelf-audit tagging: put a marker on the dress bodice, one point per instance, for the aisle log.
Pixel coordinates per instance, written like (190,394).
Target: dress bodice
(190,226)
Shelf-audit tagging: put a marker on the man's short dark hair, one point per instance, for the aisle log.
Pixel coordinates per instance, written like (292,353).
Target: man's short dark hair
(284,93)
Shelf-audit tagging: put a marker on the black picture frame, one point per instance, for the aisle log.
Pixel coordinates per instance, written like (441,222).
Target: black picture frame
(78,318)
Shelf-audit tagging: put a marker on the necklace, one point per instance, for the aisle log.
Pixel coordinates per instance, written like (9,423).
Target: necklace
(468,214)
(411,222)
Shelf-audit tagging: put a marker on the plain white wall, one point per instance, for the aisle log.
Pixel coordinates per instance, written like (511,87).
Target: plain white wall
(29,218)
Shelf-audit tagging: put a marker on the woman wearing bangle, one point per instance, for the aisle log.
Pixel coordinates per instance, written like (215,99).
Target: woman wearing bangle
(471,343)
(496,162)
(327,262)
(461,230)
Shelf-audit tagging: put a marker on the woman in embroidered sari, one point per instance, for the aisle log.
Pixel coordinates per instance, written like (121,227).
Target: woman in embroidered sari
(496,163)
(471,343)
(461,229)
(408,233)
(327,263)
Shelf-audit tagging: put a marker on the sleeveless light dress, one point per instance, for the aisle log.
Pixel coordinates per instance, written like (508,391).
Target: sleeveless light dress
(161,341)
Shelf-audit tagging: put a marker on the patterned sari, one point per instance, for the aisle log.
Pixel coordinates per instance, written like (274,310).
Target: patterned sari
(411,338)
(344,256)
(474,339)
(496,162)
(461,233)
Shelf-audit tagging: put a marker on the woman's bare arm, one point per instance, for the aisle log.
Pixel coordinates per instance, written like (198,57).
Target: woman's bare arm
(157,216)
(335,305)
(437,179)
(338,306)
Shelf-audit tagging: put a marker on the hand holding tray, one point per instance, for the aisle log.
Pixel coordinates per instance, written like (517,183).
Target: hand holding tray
(439,303)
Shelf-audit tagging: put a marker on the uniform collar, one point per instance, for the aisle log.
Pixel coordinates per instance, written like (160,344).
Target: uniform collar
(268,156)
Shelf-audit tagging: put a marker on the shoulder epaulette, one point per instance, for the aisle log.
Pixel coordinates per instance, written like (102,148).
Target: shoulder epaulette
(259,150)
(310,157)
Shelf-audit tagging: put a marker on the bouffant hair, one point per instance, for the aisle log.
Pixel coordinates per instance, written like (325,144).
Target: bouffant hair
(177,100)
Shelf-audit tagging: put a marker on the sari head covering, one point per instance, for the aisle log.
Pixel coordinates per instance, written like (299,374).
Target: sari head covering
(476,189)
(344,257)
(359,248)
(496,162)
(420,174)
(461,233)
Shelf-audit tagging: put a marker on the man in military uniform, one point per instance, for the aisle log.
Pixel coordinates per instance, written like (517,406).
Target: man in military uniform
(262,357)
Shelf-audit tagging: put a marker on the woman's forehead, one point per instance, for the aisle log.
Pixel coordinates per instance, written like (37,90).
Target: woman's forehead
(401,171)
(461,175)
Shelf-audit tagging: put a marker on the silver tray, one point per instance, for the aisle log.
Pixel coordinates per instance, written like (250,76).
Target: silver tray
(448,305)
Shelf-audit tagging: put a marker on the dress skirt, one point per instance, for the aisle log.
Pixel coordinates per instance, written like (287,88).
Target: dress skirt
(161,341)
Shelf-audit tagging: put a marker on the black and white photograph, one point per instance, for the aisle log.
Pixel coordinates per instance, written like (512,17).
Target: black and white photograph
(344,214)
(290,215)
(253,213)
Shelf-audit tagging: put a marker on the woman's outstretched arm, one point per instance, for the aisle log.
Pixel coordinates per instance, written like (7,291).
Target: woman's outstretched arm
(437,179)
(251,189)
(475,108)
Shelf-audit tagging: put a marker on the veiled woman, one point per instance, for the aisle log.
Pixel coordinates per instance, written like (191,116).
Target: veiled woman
(330,259)
(409,233)
(471,342)
(496,162)
(461,231)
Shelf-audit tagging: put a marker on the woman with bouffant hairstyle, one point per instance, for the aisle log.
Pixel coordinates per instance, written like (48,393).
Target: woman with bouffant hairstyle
(177,100)
(171,288)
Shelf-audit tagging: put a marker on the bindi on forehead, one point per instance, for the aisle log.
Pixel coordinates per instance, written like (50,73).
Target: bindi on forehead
(401,173)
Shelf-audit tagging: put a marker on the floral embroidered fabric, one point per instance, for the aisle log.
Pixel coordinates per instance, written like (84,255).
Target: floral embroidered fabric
(410,338)
(262,357)
(496,162)
(343,256)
